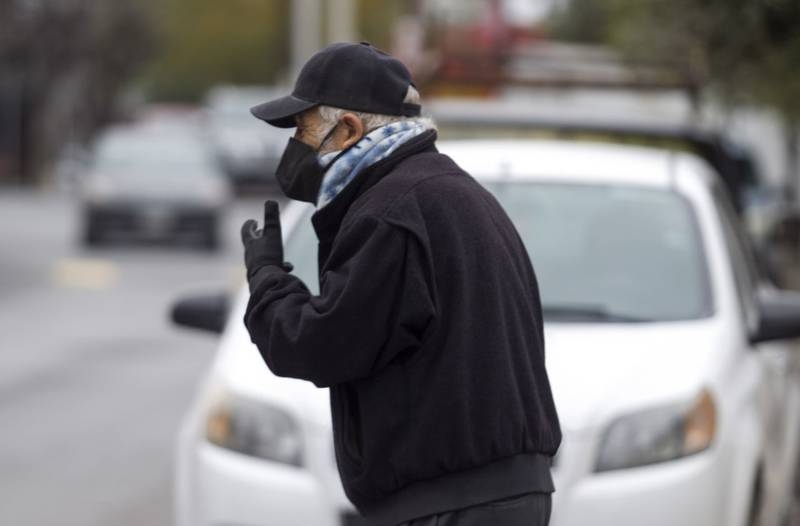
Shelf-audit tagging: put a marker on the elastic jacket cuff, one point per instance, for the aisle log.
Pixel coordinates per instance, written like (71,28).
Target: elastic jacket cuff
(262,275)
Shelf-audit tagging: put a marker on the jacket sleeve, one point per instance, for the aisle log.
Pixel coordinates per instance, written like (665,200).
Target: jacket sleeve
(374,304)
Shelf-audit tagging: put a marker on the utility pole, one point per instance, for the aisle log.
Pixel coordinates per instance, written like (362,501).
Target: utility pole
(306,31)
(341,20)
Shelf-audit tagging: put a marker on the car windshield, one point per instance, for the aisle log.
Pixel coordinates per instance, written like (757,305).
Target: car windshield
(127,155)
(610,253)
(601,253)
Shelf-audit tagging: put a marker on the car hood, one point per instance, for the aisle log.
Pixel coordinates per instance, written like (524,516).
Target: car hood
(599,371)
(596,371)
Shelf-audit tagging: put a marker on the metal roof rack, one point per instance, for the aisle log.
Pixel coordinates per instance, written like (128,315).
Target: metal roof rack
(733,163)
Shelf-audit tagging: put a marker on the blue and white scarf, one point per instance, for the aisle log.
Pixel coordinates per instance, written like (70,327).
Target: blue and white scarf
(376,145)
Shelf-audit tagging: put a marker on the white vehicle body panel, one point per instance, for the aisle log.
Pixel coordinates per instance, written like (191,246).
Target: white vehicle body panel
(598,372)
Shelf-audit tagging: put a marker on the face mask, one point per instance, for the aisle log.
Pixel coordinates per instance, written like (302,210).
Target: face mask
(299,172)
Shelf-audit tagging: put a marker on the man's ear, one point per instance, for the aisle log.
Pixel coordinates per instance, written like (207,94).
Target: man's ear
(352,130)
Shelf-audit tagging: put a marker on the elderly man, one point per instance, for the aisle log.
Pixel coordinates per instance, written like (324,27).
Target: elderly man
(427,327)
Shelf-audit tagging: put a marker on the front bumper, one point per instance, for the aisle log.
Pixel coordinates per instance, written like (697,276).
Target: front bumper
(217,487)
(690,492)
(232,489)
(151,220)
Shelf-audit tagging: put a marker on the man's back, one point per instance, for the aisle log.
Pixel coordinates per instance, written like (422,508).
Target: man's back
(471,387)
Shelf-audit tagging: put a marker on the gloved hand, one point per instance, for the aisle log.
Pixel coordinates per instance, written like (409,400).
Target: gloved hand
(263,247)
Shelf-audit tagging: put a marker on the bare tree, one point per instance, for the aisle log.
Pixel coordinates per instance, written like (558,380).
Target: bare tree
(63,63)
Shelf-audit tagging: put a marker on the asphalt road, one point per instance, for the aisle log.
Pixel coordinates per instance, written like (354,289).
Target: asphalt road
(93,377)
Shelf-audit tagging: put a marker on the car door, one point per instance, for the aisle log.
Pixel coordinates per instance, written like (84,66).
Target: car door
(779,392)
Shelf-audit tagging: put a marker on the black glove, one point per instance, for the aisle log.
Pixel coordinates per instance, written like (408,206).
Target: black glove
(263,247)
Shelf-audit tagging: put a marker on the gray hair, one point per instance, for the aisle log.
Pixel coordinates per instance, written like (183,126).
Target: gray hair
(330,115)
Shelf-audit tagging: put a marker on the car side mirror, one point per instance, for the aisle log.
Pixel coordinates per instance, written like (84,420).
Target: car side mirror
(208,312)
(768,264)
(779,316)
(783,243)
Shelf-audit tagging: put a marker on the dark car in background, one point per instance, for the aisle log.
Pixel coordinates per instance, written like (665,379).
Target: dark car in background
(247,150)
(155,182)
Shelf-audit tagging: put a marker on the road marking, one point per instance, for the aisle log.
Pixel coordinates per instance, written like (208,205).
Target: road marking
(94,274)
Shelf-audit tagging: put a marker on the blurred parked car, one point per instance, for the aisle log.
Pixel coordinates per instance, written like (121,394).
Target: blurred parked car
(247,149)
(153,181)
(677,393)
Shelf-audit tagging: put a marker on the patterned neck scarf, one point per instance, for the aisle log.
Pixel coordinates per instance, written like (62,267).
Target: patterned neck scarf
(376,145)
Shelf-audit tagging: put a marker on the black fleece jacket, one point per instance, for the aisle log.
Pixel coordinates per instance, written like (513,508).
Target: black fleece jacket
(428,331)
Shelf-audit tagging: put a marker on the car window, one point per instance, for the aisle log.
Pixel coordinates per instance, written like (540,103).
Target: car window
(601,253)
(611,253)
(124,155)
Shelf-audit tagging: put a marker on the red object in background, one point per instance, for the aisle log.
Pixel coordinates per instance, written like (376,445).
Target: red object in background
(474,56)
(493,32)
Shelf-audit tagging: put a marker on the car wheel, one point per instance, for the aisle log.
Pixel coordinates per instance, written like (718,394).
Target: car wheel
(757,503)
(92,236)
(210,240)
(793,514)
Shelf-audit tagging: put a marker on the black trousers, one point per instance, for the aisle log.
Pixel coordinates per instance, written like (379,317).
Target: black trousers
(530,509)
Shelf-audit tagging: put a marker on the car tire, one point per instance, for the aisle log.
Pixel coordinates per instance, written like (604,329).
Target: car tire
(210,240)
(755,517)
(92,236)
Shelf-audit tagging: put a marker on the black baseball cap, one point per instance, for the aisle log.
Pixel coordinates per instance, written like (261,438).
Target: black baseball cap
(357,77)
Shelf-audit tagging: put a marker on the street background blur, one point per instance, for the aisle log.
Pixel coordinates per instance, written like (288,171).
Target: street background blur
(94,379)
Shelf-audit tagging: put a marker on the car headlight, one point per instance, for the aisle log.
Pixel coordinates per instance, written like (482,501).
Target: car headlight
(256,429)
(658,435)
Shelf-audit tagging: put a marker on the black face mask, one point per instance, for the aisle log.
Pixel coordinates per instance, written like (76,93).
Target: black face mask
(299,172)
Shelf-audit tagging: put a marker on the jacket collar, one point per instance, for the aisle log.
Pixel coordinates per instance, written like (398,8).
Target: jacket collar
(327,220)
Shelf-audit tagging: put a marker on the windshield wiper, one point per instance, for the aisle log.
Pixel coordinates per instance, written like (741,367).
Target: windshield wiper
(598,313)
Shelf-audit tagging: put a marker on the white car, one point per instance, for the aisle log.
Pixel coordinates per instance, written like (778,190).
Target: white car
(675,390)
(247,150)
(153,180)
